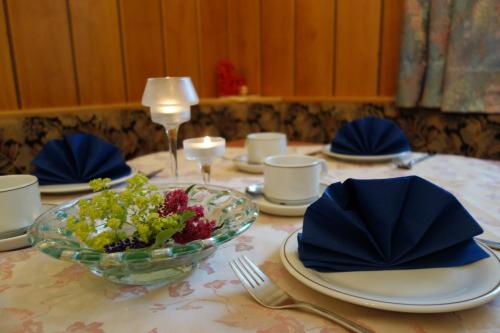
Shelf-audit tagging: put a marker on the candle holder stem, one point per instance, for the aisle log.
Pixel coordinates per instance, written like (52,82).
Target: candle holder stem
(205,172)
(172,147)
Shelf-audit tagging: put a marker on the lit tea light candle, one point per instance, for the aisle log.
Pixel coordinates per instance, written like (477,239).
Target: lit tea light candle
(171,114)
(204,150)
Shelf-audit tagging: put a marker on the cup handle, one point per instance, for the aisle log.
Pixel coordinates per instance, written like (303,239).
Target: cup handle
(324,168)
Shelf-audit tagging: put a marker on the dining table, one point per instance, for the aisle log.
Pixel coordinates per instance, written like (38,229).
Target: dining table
(41,294)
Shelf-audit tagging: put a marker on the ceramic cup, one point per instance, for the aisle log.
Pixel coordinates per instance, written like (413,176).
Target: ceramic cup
(264,144)
(293,179)
(19,202)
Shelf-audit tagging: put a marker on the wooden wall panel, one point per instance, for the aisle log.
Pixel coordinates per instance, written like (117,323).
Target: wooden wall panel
(357,47)
(97,48)
(182,55)
(392,16)
(8,98)
(84,52)
(141,25)
(314,27)
(213,41)
(42,52)
(277,29)
(244,40)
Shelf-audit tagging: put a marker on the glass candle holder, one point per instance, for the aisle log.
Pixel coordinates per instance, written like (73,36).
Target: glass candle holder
(204,150)
(170,100)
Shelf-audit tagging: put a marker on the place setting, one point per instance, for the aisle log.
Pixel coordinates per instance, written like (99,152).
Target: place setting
(66,165)
(369,140)
(393,252)
(63,166)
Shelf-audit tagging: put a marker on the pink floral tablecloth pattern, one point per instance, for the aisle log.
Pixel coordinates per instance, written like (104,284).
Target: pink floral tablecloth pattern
(40,294)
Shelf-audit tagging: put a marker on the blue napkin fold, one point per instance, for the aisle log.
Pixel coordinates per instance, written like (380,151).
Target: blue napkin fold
(381,224)
(370,136)
(78,158)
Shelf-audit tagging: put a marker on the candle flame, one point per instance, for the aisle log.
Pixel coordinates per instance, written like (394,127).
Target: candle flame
(207,139)
(170,109)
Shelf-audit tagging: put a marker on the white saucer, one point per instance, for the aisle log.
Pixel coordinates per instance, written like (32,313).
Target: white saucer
(282,210)
(80,187)
(242,164)
(428,290)
(21,241)
(363,158)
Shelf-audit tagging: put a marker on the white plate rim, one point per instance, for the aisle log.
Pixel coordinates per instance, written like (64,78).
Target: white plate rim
(242,164)
(364,158)
(81,187)
(390,306)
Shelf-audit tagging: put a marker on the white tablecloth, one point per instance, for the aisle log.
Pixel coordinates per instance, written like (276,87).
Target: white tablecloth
(41,294)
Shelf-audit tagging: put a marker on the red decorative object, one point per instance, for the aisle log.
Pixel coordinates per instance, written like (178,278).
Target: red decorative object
(228,82)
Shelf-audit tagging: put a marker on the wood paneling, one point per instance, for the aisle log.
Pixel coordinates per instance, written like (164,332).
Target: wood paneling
(389,52)
(278,50)
(182,55)
(141,25)
(8,99)
(314,28)
(213,41)
(244,40)
(97,48)
(357,47)
(42,52)
(90,52)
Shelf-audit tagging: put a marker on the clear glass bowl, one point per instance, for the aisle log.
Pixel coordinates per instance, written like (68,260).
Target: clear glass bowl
(233,211)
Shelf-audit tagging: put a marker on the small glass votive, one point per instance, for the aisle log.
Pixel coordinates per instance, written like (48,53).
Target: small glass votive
(204,150)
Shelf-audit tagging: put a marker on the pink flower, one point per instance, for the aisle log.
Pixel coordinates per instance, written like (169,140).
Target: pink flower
(195,228)
(175,202)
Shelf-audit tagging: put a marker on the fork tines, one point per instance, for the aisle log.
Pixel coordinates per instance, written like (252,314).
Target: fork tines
(248,273)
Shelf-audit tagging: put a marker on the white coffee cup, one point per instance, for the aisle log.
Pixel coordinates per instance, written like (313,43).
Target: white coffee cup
(264,144)
(19,201)
(293,179)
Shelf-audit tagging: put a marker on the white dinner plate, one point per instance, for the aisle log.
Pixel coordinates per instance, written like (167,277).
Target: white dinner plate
(428,290)
(81,187)
(21,241)
(242,164)
(363,158)
(282,210)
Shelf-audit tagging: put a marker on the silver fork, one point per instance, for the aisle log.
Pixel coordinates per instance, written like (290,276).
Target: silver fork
(409,164)
(268,294)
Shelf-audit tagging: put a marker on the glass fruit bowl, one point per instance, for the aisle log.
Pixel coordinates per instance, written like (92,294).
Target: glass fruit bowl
(233,211)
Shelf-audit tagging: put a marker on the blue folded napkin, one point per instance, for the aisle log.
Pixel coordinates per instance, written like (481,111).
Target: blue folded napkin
(370,136)
(78,158)
(381,224)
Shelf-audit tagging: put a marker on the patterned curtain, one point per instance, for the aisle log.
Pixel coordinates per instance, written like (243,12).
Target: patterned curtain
(450,55)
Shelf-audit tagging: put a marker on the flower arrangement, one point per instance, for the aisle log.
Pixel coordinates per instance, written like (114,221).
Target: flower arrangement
(138,217)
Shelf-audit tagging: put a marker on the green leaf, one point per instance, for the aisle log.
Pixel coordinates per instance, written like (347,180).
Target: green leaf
(166,234)
(189,189)
(163,236)
(219,227)
(186,215)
